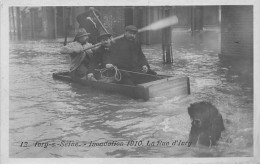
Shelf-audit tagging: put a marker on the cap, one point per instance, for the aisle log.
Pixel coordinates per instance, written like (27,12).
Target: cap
(82,34)
(131,28)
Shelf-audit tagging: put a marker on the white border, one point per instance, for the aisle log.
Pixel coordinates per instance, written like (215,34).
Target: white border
(4,82)
(4,69)
(126,2)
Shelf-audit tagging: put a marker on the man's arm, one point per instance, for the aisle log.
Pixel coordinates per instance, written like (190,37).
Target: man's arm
(142,59)
(71,48)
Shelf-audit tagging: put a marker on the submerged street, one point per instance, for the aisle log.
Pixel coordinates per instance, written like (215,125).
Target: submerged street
(44,110)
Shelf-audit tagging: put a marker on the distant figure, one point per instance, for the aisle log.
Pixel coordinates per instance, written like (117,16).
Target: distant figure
(127,54)
(207,124)
(88,21)
(80,58)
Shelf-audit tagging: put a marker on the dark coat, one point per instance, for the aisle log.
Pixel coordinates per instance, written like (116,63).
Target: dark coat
(89,26)
(127,55)
(100,56)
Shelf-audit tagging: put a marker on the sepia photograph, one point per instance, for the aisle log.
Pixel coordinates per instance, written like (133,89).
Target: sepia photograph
(128,81)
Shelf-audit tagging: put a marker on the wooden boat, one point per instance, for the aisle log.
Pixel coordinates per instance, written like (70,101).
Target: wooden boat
(148,85)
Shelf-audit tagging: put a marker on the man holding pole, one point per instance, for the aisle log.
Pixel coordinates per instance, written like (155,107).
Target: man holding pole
(100,54)
(79,53)
(85,57)
(126,54)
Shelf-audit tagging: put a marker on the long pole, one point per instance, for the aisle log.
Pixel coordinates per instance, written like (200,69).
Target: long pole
(99,21)
(100,43)
(154,26)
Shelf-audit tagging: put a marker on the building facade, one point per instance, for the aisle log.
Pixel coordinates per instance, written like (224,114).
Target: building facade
(55,22)
(236,32)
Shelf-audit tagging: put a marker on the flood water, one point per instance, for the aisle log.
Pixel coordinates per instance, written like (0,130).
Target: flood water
(43,110)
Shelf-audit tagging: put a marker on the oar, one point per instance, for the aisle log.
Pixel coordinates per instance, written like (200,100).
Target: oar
(154,26)
(100,43)
(166,22)
(99,21)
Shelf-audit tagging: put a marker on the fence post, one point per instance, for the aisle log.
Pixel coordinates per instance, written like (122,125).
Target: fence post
(32,22)
(167,40)
(55,23)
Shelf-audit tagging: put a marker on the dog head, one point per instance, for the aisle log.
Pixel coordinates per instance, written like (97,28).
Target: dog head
(202,114)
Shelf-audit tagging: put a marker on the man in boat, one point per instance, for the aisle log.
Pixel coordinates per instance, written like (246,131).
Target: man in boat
(88,21)
(101,54)
(127,54)
(79,53)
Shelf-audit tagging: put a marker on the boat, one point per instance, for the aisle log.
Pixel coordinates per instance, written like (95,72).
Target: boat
(148,86)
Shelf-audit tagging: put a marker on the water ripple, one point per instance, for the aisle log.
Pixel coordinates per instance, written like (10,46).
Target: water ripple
(46,110)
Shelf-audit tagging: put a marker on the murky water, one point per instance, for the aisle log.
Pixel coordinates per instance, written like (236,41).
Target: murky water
(43,110)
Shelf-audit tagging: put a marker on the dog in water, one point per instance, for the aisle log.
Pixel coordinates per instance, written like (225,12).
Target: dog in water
(207,124)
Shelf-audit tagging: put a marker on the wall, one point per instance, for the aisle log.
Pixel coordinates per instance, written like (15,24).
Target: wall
(149,15)
(236,32)
(184,16)
(113,19)
(203,16)
(211,16)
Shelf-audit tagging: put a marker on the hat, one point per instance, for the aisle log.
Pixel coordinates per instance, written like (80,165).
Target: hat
(131,28)
(102,35)
(81,32)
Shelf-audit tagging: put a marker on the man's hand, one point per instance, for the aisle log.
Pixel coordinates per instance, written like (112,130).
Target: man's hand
(145,68)
(109,65)
(91,77)
(86,49)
